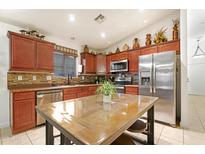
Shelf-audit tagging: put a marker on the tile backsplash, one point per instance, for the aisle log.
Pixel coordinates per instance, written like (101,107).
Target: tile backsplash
(15,78)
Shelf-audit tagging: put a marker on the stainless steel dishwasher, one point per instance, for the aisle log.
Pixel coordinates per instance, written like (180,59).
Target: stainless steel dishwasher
(45,97)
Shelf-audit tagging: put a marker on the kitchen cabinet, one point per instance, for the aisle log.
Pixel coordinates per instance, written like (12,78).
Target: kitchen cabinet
(45,56)
(122,55)
(77,92)
(108,60)
(92,90)
(89,63)
(148,50)
(100,64)
(131,90)
(133,60)
(30,54)
(170,46)
(119,56)
(71,93)
(23,111)
(22,53)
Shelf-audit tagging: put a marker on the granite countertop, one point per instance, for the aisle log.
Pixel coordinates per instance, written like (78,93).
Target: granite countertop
(46,87)
(90,121)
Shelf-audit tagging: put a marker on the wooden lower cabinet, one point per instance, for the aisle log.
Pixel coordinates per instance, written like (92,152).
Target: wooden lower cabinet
(23,111)
(72,93)
(69,96)
(132,90)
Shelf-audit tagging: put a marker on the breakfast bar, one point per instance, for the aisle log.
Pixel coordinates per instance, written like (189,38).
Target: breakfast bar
(90,121)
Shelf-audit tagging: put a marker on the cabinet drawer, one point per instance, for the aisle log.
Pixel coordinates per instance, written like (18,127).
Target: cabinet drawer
(131,90)
(71,91)
(69,96)
(23,95)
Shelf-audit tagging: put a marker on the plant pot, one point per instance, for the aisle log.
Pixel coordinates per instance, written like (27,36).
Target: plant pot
(106,98)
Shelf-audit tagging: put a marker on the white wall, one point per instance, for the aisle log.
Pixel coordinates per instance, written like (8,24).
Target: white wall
(4,67)
(152,29)
(185,115)
(196,65)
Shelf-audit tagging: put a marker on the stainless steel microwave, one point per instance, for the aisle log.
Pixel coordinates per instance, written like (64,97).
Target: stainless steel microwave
(119,66)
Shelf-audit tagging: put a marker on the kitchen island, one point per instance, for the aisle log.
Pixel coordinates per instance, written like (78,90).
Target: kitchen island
(88,120)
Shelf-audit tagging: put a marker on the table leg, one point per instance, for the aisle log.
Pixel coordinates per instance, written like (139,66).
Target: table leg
(64,140)
(150,120)
(49,134)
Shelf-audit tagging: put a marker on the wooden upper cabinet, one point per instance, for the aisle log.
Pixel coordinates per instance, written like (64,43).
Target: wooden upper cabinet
(88,62)
(100,64)
(30,54)
(119,56)
(23,53)
(133,60)
(123,55)
(170,46)
(45,56)
(108,59)
(148,50)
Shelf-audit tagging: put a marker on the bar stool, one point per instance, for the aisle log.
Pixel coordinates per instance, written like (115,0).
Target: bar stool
(138,127)
(123,140)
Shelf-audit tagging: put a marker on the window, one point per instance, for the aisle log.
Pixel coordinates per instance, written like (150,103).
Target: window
(64,65)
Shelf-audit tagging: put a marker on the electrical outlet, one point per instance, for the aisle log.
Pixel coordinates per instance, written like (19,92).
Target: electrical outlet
(34,77)
(48,77)
(20,77)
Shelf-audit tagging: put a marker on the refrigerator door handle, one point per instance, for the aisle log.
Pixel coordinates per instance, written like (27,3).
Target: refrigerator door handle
(154,79)
(150,84)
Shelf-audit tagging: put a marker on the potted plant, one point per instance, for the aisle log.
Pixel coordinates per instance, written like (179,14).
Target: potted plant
(107,90)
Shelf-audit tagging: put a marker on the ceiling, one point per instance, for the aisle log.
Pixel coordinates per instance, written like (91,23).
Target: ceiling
(196,23)
(118,24)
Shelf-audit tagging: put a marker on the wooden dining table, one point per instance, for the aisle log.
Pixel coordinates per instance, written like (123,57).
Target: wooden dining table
(90,121)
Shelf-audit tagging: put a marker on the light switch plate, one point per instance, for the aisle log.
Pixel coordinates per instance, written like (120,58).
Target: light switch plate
(48,77)
(34,77)
(20,77)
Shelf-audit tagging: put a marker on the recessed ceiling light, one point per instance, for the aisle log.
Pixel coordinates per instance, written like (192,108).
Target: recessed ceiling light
(145,21)
(103,35)
(72,17)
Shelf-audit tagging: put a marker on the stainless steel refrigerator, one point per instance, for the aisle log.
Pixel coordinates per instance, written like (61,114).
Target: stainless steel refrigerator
(159,75)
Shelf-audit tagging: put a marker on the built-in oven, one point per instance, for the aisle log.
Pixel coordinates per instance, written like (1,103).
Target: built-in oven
(121,80)
(119,66)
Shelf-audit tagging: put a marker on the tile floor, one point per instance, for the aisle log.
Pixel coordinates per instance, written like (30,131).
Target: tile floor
(164,135)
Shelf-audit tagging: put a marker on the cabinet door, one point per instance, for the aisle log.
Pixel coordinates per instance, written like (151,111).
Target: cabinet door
(108,59)
(170,46)
(133,61)
(132,90)
(23,115)
(45,56)
(148,50)
(90,63)
(100,64)
(23,53)
(69,96)
(123,55)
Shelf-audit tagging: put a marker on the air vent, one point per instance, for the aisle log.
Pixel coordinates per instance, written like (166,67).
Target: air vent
(100,19)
